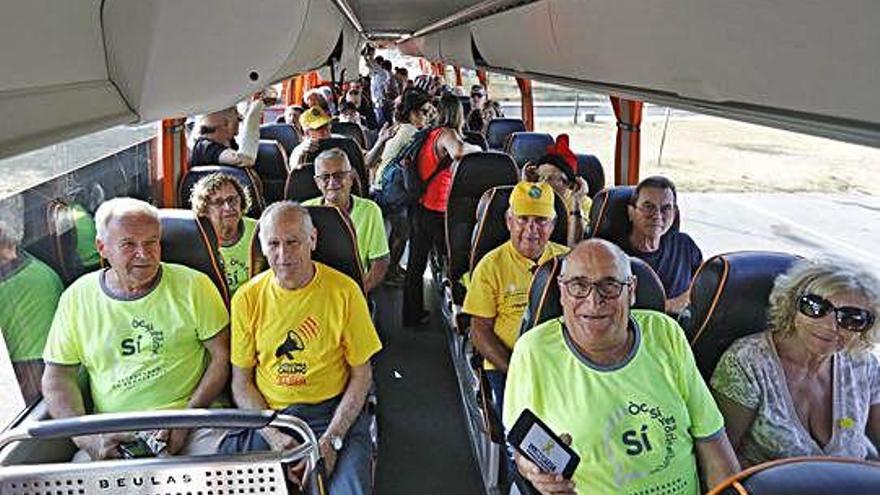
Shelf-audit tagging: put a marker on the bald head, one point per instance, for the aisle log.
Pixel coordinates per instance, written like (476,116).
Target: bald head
(592,253)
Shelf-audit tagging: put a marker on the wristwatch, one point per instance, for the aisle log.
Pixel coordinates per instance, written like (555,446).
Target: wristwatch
(335,442)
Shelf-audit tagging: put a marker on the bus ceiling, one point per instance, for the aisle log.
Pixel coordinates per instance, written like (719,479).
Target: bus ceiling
(78,66)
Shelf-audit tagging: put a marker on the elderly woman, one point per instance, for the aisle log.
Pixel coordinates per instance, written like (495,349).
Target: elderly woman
(809,386)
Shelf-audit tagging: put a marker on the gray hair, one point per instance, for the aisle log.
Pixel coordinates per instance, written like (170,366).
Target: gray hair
(279,208)
(823,277)
(120,207)
(332,154)
(622,261)
(12,221)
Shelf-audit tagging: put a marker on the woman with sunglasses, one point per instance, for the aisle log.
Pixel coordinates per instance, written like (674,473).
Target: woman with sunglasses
(808,386)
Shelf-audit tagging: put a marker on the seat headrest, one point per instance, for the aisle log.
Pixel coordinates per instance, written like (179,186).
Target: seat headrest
(476,138)
(500,129)
(474,174)
(190,241)
(55,243)
(729,300)
(805,476)
(528,146)
(285,134)
(336,248)
(351,131)
(590,168)
(491,228)
(354,153)
(246,176)
(609,219)
(544,303)
(271,162)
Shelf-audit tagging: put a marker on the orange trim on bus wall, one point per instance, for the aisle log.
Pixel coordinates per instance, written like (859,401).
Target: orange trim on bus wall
(627,149)
(483,78)
(528,105)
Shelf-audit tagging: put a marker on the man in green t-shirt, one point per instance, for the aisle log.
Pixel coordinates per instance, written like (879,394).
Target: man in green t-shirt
(334,177)
(150,335)
(223,200)
(622,387)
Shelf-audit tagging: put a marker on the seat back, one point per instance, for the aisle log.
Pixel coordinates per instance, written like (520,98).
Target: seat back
(544,303)
(336,248)
(271,166)
(590,168)
(191,241)
(474,174)
(476,138)
(500,129)
(354,153)
(351,131)
(55,232)
(465,104)
(246,176)
(729,300)
(285,134)
(805,476)
(609,219)
(491,229)
(528,146)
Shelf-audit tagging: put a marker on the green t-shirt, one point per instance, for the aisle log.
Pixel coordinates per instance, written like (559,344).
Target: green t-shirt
(29,295)
(369,228)
(237,258)
(633,425)
(85,236)
(143,354)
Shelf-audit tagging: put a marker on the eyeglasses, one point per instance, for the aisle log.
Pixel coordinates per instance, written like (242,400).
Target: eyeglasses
(230,201)
(848,317)
(354,92)
(651,209)
(607,288)
(477,95)
(335,175)
(555,178)
(542,222)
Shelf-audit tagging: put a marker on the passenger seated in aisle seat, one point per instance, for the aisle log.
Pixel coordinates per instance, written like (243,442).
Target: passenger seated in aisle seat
(333,175)
(150,335)
(223,200)
(29,290)
(302,339)
(499,290)
(216,145)
(491,110)
(559,169)
(475,116)
(673,255)
(621,383)
(356,97)
(316,125)
(291,116)
(809,385)
(349,113)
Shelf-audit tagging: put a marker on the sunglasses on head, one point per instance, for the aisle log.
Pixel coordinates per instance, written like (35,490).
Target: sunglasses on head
(848,317)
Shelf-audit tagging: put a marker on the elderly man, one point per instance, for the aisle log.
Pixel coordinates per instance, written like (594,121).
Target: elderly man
(151,335)
(315,124)
(223,200)
(216,145)
(302,340)
(334,177)
(499,290)
(621,383)
(673,255)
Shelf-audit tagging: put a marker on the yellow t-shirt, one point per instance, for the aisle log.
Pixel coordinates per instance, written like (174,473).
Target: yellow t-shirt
(141,354)
(237,257)
(302,342)
(499,288)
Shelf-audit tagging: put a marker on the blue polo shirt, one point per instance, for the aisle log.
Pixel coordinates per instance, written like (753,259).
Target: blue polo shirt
(675,261)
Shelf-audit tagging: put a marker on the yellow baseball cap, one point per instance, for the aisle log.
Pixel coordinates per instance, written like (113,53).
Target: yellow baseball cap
(314,118)
(533,199)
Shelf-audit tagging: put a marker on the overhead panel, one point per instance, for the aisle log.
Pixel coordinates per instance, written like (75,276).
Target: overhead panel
(455,46)
(423,46)
(353,43)
(520,39)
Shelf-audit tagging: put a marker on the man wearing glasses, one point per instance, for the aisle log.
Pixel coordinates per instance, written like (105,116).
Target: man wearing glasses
(223,201)
(673,255)
(334,177)
(620,385)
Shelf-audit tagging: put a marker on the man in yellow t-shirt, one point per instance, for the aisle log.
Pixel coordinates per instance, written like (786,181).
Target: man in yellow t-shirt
(151,335)
(223,200)
(621,386)
(302,339)
(499,289)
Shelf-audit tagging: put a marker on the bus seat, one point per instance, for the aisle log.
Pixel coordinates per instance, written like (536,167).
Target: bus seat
(301,185)
(590,168)
(336,248)
(491,228)
(544,303)
(271,166)
(351,131)
(805,476)
(245,175)
(729,296)
(285,134)
(499,130)
(190,241)
(465,105)
(476,138)
(474,174)
(528,146)
(608,215)
(55,232)
(354,153)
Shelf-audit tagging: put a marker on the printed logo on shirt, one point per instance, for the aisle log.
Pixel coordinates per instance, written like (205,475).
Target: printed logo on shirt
(236,272)
(144,338)
(289,370)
